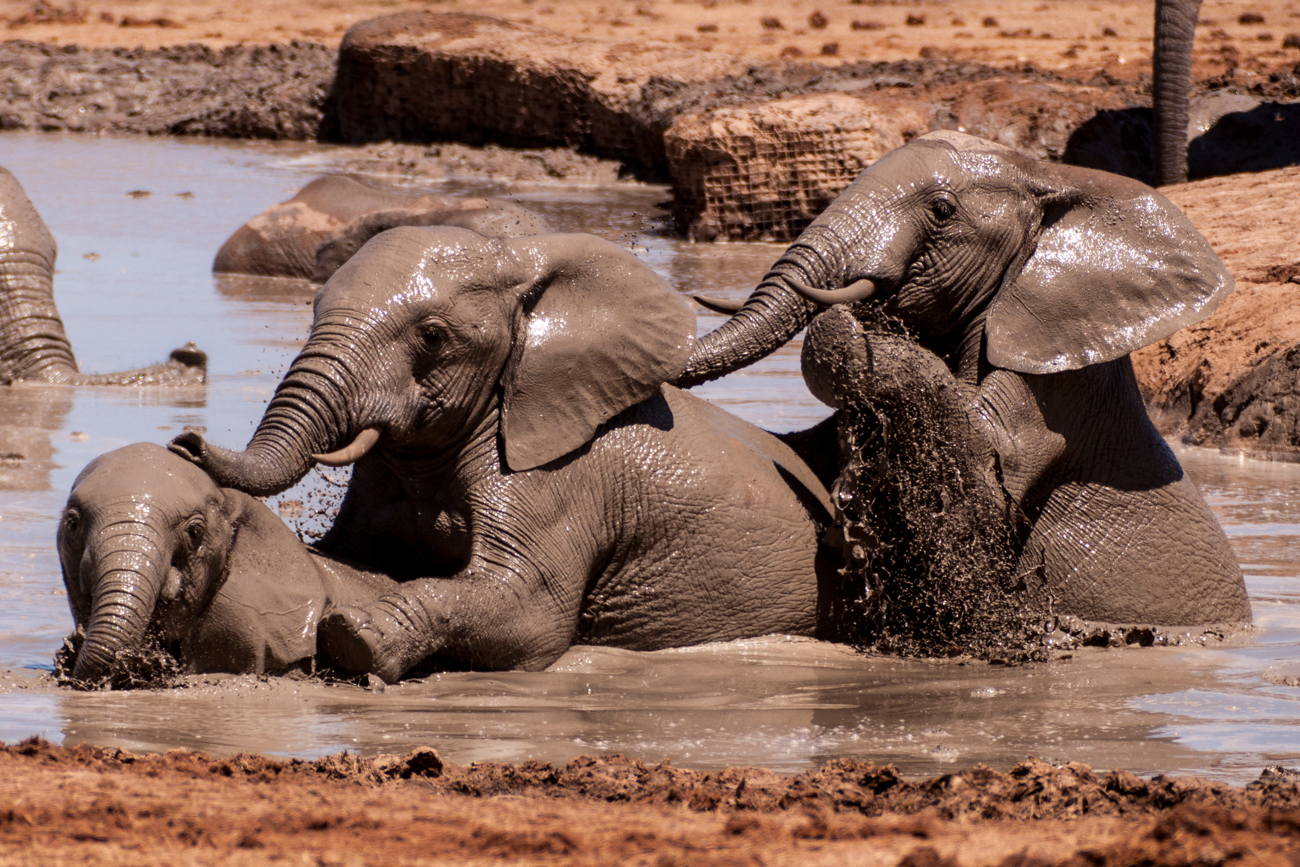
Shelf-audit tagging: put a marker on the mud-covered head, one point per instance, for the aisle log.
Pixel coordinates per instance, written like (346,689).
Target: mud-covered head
(143,544)
(428,335)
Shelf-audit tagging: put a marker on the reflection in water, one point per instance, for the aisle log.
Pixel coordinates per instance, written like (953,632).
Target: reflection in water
(786,704)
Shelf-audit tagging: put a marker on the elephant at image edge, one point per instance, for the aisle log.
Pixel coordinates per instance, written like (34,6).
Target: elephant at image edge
(520,464)
(33,344)
(150,545)
(327,221)
(1032,282)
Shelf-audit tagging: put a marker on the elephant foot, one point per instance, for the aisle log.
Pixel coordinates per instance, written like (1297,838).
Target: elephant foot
(379,642)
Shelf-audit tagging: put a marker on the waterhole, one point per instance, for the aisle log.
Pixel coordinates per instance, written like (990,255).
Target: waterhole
(134,281)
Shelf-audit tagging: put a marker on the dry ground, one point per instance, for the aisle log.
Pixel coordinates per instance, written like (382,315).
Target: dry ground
(1075,37)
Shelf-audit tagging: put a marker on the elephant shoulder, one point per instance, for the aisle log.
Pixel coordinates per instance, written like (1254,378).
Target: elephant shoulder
(687,409)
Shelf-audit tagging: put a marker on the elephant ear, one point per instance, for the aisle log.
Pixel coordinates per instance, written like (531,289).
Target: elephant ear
(600,332)
(1117,267)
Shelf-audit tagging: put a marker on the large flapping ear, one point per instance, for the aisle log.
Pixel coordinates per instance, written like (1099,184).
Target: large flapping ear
(600,332)
(1117,267)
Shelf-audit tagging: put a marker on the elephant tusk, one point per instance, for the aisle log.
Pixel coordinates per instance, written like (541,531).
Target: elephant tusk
(718,305)
(352,452)
(855,291)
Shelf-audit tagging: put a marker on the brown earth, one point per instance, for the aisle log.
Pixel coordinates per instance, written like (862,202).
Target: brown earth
(88,805)
(1233,380)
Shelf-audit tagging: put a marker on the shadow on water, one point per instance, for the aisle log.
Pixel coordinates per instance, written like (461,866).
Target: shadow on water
(785,704)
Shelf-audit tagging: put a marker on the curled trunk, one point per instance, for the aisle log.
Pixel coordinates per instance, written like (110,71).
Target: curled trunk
(1172,81)
(309,415)
(772,315)
(128,576)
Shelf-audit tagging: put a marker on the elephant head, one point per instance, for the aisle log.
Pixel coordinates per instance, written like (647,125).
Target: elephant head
(430,340)
(145,557)
(975,247)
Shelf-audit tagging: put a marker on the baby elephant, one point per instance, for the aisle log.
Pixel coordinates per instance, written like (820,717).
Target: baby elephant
(327,221)
(151,547)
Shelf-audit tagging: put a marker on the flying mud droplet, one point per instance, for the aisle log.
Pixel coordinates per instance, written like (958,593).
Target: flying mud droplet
(138,194)
(78,436)
(91,256)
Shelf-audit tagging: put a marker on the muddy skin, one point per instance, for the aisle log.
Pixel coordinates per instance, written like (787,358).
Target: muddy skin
(503,403)
(986,257)
(33,344)
(92,805)
(168,574)
(328,220)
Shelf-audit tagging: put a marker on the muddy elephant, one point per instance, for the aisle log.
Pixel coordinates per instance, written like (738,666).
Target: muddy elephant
(520,465)
(33,344)
(1024,286)
(152,549)
(327,221)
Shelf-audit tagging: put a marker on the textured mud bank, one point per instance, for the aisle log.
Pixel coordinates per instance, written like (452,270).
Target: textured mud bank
(90,805)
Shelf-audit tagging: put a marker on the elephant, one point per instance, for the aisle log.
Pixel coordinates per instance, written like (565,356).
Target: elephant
(151,548)
(33,344)
(1021,287)
(327,221)
(1171,83)
(520,466)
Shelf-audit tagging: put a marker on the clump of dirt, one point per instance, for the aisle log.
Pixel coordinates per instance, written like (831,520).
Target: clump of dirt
(149,666)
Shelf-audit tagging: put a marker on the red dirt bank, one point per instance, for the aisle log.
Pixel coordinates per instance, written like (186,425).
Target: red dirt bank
(87,805)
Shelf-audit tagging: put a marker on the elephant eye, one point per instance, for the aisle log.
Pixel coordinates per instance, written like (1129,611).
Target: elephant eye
(431,336)
(72,523)
(194,534)
(943,208)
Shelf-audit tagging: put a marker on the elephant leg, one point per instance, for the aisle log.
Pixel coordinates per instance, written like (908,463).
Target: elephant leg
(925,522)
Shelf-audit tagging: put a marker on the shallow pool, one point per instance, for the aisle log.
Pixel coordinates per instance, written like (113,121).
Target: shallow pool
(133,282)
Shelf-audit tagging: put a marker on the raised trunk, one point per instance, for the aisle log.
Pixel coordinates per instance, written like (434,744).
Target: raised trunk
(771,316)
(310,414)
(1172,81)
(128,576)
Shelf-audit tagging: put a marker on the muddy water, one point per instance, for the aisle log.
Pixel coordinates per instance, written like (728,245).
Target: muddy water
(134,281)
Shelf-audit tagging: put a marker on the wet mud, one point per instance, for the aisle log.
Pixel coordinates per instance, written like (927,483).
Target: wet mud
(98,806)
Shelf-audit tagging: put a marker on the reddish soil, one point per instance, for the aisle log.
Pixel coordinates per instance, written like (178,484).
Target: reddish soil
(86,805)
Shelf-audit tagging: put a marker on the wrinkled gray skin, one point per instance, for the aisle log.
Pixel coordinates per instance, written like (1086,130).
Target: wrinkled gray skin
(149,545)
(33,344)
(532,479)
(1032,282)
(1171,86)
(327,221)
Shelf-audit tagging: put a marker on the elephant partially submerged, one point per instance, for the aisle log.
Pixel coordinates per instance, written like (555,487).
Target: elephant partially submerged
(152,549)
(33,344)
(1023,287)
(327,221)
(521,466)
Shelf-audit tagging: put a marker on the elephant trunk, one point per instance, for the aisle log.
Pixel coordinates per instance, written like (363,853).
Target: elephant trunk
(33,344)
(1172,79)
(127,578)
(773,314)
(310,414)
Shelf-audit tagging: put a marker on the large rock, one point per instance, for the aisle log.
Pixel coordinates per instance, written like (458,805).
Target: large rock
(425,76)
(1233,380)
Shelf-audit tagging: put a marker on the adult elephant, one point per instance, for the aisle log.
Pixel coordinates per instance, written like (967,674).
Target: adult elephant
(326,222)
(151,548)
(1171,84)
(33,344)
(519,462)
(1026,285)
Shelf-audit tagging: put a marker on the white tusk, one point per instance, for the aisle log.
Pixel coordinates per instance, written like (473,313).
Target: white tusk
(352,452)
(855,291)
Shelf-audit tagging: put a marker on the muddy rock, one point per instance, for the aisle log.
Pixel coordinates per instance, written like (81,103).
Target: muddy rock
(424,76)
(1232,381)
(272,91)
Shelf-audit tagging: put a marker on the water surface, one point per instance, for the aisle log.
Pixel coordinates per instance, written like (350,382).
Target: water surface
(134,281)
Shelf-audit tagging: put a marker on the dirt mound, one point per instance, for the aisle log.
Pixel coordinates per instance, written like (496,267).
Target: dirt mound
(272,91)
(1233,380)
(90,805)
